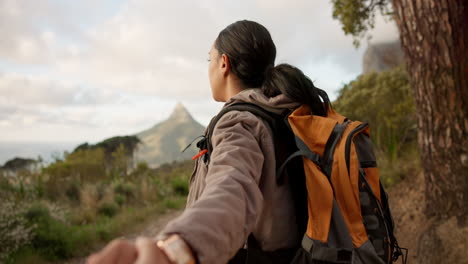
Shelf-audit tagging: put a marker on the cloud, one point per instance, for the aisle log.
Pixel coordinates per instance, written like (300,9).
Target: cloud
(147,48)
(159,48)
(120,66)
(17,89)
(29,102)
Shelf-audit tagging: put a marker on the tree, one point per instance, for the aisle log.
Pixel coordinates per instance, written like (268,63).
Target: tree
(383,99)
(434,38)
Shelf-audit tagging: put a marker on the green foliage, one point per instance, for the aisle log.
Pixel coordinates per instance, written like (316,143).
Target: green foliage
(73,191)
(142,169)
(129,143)
(108,209)
(39,187)
(384,100)
(357,17)
(180,185)
(119,199)
(86,165)
(15,231)
(51,236)
(19,163)
(120,161)
(5,185)
(125,189)
(37,212)
(174,202)
(93,205)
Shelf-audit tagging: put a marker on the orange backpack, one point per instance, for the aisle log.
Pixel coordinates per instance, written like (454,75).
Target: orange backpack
(348,218)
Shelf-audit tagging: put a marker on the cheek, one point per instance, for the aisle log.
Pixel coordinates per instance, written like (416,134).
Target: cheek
(215,78)
(213,81)
(217,91)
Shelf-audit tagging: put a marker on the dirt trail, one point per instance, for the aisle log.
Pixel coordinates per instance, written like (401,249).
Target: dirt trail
(149,230)
(407,202)
(154,227)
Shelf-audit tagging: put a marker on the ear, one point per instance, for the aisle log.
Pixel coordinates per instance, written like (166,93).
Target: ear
(225,64)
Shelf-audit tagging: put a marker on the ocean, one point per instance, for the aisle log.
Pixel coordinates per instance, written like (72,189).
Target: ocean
(47,150)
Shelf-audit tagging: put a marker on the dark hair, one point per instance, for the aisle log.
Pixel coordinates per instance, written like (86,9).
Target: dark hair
(252,53)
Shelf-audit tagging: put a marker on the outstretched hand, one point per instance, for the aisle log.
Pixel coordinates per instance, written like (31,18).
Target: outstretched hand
(143,251)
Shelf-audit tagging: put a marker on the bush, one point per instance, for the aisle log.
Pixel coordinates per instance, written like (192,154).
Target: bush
(5,185)
(119,199)
(37,212)
(141,169)
(15,231)
(384,100)
(170,203)
(51,237)
(174,202)
(40,188)
(108,209)
(86,164)
(180,185)
(125,189)
(73,191)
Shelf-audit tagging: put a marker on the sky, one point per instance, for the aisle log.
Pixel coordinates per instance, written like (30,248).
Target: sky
(83,71)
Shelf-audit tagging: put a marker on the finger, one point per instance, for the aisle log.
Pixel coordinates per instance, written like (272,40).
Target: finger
(93,259)
(149,252)
(128,255)
(117,251)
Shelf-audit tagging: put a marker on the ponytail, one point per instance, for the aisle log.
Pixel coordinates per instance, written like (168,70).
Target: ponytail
(292,82)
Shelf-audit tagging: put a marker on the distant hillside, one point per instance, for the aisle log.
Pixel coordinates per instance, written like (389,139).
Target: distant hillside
(31,150)
(163,142)
(18,163)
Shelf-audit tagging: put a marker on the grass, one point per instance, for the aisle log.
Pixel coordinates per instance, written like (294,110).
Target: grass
(74,206)
(176,202)
(57,241)
(392,171)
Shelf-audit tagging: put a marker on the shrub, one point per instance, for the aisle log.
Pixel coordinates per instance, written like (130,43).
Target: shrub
(73,191)
(384,100)
(52,239)
(108,209)
(37,212)
(174,202)
(119,199)
(180,185)
(142,166)
(51,236)
(39,188)
(15,231)
(126,189)
(89,197)
(5,185)
(170,203)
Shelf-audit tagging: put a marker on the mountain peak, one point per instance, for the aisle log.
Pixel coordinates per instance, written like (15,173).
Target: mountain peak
(180,113)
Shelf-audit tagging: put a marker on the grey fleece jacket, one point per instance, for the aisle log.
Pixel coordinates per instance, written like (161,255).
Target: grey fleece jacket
(237,193)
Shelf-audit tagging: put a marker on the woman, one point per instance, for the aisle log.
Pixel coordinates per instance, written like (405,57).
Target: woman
(235,195)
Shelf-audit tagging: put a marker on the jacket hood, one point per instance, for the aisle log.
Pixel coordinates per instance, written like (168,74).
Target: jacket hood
(275,104)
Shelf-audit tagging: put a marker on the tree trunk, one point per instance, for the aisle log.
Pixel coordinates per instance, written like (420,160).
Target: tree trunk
(434,37)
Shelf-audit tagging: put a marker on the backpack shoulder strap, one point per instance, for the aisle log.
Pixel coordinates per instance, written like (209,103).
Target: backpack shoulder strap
(269,117)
